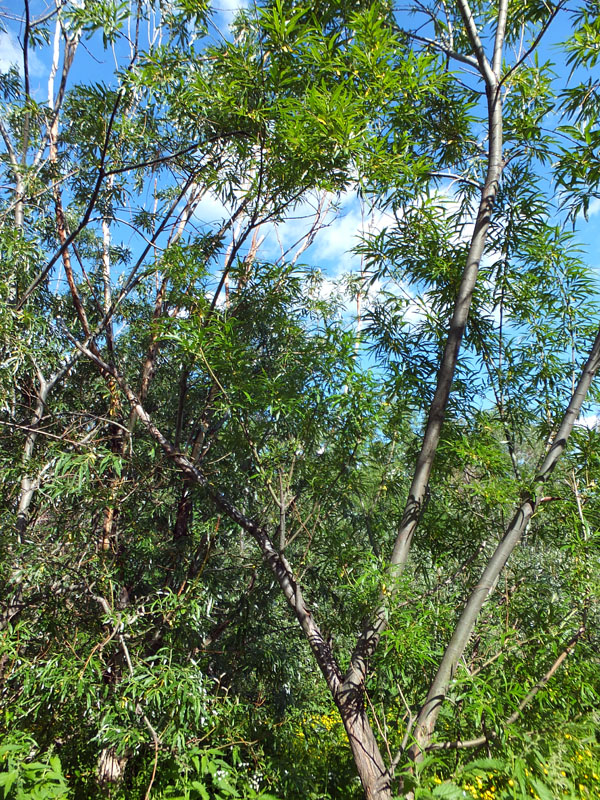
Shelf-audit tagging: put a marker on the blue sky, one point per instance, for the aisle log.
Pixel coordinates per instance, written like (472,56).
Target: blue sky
(343,218)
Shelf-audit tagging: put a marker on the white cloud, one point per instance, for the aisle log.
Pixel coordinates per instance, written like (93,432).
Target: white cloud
(591,421)
(11,54)
(229,6)
(225,12)
(348,222)
(344,221)
(211,210)
(594,207)
(341,234)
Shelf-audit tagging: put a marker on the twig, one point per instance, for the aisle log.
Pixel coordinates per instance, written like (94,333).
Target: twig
(138,708)
(448,51)
(381,733)
(535,42)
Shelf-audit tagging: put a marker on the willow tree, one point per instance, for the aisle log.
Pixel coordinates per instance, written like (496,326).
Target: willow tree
(182,394)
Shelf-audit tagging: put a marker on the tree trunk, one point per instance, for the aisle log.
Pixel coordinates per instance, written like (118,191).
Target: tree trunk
(438,690)
(374,775)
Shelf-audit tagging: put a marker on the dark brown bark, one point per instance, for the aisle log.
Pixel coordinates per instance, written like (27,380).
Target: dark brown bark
(184,513)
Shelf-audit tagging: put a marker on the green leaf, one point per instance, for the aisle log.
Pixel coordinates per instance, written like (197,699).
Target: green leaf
(7,779)
(448,790)
(201,788)
(485,764)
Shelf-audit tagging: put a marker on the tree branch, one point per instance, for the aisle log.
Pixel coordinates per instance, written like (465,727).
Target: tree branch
(275,560)
(481,740)
(87,214)
(499,38)
(473,34)
(448,51)
(369,638)
(536,41)
(464,628)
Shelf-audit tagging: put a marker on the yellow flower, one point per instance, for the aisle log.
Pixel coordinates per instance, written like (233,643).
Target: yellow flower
(511,782)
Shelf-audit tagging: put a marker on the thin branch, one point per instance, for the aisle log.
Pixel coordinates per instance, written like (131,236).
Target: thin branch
(26,80)
(138,707)
(276,561)
(499,38)
(369,638)
(448,51)
(39,21)
(457,179)
(473,34)
(536,41)
(481,740)
(529,505)
(171,156)
(48,435)
(88,212)
(28,486)
(379,728)
(9,147)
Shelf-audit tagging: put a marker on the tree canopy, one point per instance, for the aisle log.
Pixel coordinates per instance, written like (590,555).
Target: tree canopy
(298,433)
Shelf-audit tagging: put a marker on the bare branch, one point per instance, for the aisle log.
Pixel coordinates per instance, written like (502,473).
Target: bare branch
(448,51)
(9,146)
(535,42)
(499,39)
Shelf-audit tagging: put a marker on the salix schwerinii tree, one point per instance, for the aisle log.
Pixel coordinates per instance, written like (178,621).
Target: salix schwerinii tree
(202,440)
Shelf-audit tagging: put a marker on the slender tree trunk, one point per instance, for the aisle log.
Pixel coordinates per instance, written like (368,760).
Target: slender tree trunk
(369,639)
(429,713)
(373,773)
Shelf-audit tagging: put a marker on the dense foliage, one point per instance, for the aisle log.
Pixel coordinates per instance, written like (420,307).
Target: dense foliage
(275,525)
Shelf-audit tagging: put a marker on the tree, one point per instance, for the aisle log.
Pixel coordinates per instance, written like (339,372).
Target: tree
(180,398)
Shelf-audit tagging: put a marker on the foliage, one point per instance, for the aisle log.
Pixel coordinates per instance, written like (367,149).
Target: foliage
(209,427)
(25,779)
